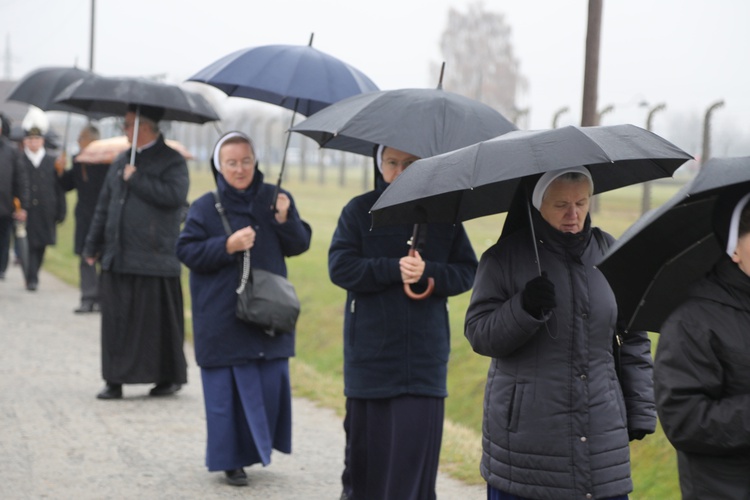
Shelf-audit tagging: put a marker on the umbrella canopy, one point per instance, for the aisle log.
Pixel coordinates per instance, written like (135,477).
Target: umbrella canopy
(41,86)
(423,122)
(297,77)
(112,96)
(104,151)
(481,179)
(652,264)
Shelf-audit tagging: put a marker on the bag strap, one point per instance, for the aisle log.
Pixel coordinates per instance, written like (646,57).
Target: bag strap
(245,277)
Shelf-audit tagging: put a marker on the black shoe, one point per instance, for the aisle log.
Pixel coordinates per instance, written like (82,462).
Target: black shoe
(110,391)
(85,307)
(164,389)
(236,477)
(31,287)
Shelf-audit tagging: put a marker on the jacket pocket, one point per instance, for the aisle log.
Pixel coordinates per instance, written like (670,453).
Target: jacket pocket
(514,409)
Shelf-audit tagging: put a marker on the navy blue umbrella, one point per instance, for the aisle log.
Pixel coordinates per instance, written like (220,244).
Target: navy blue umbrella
(300,78)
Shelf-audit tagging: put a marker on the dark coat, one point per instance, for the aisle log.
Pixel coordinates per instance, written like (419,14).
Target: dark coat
(394,345)
(47,204)
(87,180)
(220,338)
(136,223)
(14,180)
(702,382)
(555,418)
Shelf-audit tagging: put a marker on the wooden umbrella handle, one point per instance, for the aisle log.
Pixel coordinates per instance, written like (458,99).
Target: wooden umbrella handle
(419,296)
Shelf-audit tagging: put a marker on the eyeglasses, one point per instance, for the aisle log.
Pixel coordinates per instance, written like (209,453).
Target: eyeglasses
(235,165)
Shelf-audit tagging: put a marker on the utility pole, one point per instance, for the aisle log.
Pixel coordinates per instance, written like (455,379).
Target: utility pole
(646,197)
(591,74)
(91,36)
(591,70)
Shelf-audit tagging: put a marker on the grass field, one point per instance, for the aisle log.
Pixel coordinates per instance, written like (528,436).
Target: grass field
(317,369)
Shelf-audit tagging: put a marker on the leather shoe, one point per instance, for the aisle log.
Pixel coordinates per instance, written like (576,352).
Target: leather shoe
(164,389)
(236,477)
(110,391)
(85,307)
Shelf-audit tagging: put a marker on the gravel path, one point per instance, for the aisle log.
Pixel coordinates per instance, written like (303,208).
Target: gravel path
(58,441)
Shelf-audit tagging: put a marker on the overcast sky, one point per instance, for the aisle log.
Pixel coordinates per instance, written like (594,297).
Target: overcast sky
(685,53)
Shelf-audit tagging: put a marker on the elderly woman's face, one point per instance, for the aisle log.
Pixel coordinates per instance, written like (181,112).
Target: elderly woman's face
(237,164)
(741,255)
(394,162)
(565,205)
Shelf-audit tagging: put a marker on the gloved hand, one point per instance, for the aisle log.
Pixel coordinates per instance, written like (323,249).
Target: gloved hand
(637,434)
(538,295)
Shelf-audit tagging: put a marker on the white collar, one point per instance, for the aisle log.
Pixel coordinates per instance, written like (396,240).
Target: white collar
(35,158)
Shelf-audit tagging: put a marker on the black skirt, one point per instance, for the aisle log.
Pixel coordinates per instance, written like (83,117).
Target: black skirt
(142,329)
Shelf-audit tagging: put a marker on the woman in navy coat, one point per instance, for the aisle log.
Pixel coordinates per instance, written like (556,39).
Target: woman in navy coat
(245,372)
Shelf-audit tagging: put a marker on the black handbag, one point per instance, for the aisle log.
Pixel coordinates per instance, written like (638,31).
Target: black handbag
(264,299)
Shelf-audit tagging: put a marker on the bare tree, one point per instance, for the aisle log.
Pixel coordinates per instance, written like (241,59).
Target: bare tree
(478,55)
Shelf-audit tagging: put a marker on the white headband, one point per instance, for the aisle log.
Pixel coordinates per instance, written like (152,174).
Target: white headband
(222,140)
(546,179)
(379,157)
(734,225)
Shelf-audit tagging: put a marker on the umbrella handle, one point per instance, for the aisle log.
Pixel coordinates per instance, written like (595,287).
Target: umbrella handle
(419,296)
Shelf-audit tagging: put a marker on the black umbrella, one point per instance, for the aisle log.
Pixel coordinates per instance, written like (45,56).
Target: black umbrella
(300,78)
(423,122)
(652,264)
(113,96)
(41,87)
(21,246)
(481,179)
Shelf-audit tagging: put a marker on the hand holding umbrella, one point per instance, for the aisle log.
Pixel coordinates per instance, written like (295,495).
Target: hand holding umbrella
(412,267)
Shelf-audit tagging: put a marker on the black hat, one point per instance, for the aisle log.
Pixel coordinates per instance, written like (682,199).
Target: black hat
(153,113)
(33,131)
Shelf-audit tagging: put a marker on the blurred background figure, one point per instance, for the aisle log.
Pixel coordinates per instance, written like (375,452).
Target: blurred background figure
(14,183)
(47,206)
(87,180)
(133,235)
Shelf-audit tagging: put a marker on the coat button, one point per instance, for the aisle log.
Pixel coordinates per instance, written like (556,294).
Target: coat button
(585,316)
(589,495)
(583,439)
(583,377)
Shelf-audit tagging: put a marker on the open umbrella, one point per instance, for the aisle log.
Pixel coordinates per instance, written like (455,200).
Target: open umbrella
(652,264)
(297,77)
(481,179)
(104,151)
(41,86)
(423,122)
(113,96)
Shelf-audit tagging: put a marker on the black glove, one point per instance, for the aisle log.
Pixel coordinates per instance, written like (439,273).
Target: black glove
(538,295)
(637,434)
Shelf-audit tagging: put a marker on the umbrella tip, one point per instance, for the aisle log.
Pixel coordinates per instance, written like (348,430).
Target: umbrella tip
(309,44)
(442,72)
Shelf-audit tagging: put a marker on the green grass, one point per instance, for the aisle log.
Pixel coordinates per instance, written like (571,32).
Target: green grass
(317,368)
